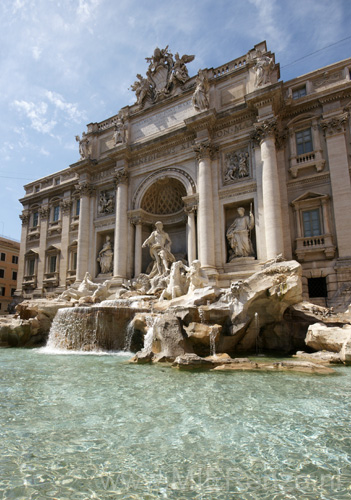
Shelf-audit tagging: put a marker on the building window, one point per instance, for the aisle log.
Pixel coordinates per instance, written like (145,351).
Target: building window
(14,259)
(57,181)
(304,141)
(35,219)
(31,266)
(74,261)
(2,256)
(2,291)
(311,223)
(56,213)
(300,92)
(13,290)
(317,288)
(14,275)
(37,189)
(52,263)
(2,273)
(77,208)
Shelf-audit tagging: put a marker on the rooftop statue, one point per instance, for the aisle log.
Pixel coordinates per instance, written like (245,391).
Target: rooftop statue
(83,146)
(164,74)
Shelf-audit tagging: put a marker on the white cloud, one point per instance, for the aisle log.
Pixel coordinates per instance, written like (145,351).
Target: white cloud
(86,8)
(36,51)
(70,109)
(37,115)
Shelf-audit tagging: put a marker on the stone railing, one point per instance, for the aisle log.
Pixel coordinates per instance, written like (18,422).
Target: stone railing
(307,160)
(229,67)
(310,245)
(29,281)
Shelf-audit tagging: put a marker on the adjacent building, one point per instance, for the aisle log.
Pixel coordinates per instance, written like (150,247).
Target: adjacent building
(189,153)
(9,254)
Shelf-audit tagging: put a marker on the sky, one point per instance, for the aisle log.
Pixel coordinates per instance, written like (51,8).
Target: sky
(67,63)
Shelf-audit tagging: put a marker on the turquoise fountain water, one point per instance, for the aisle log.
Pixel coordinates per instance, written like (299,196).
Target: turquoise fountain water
(94,427)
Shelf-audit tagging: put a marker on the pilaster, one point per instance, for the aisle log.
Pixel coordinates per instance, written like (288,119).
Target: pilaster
(334,130)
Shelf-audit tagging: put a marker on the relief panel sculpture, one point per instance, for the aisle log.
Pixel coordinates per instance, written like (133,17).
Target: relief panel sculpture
(236,166)
(106,202)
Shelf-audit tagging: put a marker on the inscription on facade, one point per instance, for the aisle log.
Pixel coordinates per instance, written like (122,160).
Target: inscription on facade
(234,129)
(162,121)
(159,154)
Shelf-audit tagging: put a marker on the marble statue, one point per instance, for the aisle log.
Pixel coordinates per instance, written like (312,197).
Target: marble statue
(83,146)
(180,71)
(238,235)
(105,258)
(200,97)
(177,281)
(195,276)
(119,135)
(160,250)
(264,67)
(103,291)
(141,89)
(85,289)
(164,74)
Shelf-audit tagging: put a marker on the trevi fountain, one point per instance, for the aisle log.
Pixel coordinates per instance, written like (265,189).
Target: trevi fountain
(81,420)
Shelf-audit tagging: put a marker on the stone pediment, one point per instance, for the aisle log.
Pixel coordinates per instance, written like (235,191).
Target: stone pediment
(308,196)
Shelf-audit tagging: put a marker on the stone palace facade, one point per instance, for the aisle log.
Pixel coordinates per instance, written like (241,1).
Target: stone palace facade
(239,167)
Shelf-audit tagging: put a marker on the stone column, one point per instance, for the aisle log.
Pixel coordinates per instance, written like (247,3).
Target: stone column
(121,228)
(334,130)
(191,232)
(44,214)
(85,190)
(137,245)
(206,234)
(21,259)
(265,135)
(65,206)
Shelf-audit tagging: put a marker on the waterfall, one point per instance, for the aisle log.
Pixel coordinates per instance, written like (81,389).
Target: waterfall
(90,328)
(149,336)
(213,335)
(129,337)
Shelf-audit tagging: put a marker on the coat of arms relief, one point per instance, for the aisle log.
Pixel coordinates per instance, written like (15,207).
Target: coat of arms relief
(164,75)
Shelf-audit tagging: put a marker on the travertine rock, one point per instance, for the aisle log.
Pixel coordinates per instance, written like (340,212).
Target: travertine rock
(321,337)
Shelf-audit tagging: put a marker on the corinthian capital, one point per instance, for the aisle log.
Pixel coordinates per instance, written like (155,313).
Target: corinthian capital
(121,177)
(264,130)
(44,212)
(205,149)
(84,188)
(334,125)
(66,206)
(24,216)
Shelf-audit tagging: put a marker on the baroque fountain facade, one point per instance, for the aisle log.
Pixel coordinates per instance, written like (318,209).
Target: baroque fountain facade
(190,205)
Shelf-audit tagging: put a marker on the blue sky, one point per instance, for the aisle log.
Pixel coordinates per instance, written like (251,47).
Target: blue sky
(66,63)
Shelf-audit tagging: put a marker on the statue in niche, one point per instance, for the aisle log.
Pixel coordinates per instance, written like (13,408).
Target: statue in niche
(106,203)
(200,97)
(237,166)
(119,135)
(83,146)
(238,235)
(264,67)
(105,258)
(160,250)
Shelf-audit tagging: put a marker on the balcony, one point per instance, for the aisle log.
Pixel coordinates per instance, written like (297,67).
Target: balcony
(51,279)
(307,160)
(29,281)
(309,248)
